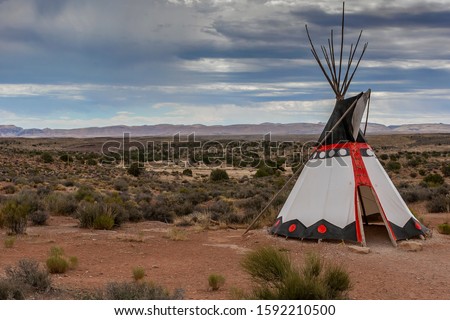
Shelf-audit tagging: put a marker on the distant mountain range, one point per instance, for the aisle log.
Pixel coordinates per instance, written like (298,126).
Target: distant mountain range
(215,130)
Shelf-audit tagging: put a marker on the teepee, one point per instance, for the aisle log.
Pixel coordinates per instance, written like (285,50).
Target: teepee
(343,185)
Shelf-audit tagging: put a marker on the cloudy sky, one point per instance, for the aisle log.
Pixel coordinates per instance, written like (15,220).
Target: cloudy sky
(79,63)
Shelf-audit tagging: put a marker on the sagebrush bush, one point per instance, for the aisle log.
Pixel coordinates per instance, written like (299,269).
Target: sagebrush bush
(276,278)
(29,273)
(121,184)
(39,217)
(434,180)
(138,291)
(63,204)
(393,166)
(10,290)
(215,281)
(218,175)
(438,203)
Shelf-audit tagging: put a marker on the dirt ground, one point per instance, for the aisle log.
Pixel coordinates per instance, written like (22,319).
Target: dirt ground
(105,256)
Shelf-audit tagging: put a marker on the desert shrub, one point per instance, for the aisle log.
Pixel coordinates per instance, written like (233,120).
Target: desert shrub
(29,199)
(139,291)
(221,207)
(265,171)
(138,273)
(10,290)
(384,156)
(15,216)
(215,281)
(61,204)
(413,174)
(39,217)
(46,157)
(218,175)
(438,203)
(9,242)
(87,193)
(66,158)
(9,189)
(433,180)
(29,273)
(73,262)
(444,228)
(416,193)
(276,278)
(91,162)
(121,185)
(95,215)
(176,234)
(446,169)
(393,166)
(159,209)
(56,263)
(135,169)
(104,221)
(187,172)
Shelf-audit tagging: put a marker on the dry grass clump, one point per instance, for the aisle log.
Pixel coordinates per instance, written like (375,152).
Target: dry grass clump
(138,273)
(215,281)
(277,279)
(176,234)
(58,263)
(138,291)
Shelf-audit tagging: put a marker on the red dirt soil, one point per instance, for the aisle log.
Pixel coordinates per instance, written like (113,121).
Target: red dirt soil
(105,256)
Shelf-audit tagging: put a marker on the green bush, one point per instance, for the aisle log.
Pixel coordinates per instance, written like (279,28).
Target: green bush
(393,166)
(61,203)
(433,180)
(66,158)
(87,193)
(265,171)
(138,273)
(187,172)
(218,175)
(444,228)
(276,278)
(28,272)
(135,169)
(91,162)
(9,242)
(56,263)
(95,215)
(15,216)
(104,221)
(46,157)
(215,281)
(138,291)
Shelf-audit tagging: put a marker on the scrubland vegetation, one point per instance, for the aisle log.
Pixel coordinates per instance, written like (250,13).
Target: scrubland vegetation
(43,178)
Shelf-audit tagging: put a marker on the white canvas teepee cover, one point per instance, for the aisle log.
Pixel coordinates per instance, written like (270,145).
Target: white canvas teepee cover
(342,185)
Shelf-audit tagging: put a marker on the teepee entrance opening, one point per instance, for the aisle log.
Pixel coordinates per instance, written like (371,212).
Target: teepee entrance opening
(372,221)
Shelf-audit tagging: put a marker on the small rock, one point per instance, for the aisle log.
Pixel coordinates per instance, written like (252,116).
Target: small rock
(364,250)
(411,246)
(155,266)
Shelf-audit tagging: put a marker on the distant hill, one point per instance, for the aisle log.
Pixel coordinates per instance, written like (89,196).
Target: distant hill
(215,130)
